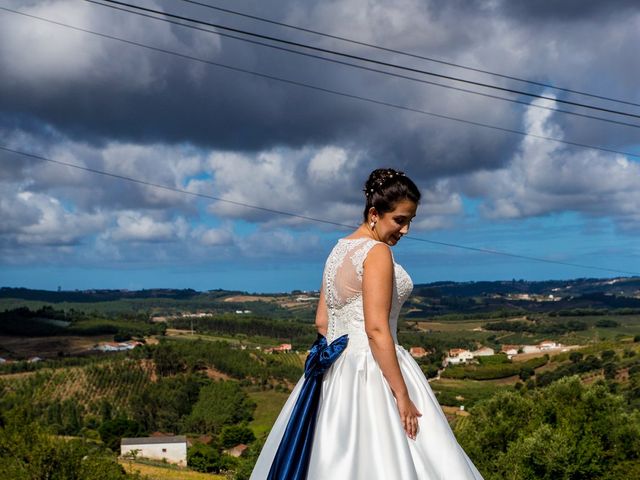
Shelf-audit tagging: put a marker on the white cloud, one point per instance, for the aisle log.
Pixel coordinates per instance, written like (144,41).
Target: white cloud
(214,237)
(277,243)
(439,207)
(327,164)
(308,182)
(135,226)
(544,177)
(39,219)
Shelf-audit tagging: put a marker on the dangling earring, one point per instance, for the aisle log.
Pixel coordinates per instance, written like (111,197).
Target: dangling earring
(372,224)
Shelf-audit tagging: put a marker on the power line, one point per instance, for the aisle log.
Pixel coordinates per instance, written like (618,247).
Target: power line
(370,69)
(409,54)
(290,214)
(322,89)
(357,57)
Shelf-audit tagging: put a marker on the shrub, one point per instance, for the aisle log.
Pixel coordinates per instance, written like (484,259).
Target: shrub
(567,430)
(232,435)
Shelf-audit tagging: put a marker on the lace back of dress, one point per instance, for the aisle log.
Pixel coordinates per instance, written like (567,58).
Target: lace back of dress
(343,287)
(343,273)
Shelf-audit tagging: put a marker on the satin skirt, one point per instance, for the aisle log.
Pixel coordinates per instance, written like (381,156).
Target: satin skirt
(359,434)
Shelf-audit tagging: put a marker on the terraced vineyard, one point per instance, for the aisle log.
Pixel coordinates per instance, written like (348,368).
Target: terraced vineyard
(88,386)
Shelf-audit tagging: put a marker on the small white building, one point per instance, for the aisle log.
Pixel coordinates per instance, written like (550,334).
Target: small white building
(530,348)
(548,345)
(171,449)
(510,350)
(458,355)
(116,347)
(305,298)
(483,352)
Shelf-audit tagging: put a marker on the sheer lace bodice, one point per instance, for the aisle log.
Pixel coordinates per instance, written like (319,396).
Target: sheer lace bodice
(342,284)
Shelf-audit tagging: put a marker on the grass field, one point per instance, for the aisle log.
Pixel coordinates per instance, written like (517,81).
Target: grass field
(269,403)
(153,472)
(186,335)
(249,341)
(449,326)
(470,391)
(49,347)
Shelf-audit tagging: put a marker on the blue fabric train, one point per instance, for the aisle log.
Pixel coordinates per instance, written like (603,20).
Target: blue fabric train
(292,458)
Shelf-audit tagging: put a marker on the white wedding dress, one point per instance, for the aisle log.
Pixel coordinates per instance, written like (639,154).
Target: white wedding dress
(358,434)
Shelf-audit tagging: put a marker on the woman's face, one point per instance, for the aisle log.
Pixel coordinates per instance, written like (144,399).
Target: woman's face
(392,225)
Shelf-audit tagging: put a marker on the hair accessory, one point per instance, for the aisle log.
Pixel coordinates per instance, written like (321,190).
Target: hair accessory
(384,177)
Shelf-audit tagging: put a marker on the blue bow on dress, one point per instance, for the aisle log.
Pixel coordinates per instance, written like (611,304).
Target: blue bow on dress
(292,457)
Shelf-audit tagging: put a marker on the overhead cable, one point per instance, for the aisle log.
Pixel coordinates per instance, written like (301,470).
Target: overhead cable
(110,3)
(290,214)
(370,69)
(408,54)
(322,89)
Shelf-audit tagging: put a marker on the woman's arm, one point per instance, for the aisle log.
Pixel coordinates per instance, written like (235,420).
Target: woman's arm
(322,319)
(377,289)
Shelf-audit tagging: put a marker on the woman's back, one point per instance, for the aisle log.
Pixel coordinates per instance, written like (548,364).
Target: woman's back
(342,284)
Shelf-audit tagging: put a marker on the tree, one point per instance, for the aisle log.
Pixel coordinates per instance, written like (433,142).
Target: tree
(609,370)
(526,373)
(205,458)
(28,452)
(248,460)
(607,323)
(566,430)
(112,431)
(166,404)
(233,435)
(575,357)
(220,403)
(106,410)
(168,361)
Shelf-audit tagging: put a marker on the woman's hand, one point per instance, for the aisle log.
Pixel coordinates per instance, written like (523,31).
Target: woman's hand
(408,415)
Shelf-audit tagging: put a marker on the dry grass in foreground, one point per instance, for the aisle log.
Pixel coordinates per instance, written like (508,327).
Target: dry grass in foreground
(153,472)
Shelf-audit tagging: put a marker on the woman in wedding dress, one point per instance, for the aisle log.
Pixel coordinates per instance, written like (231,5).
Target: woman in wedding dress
(375,415)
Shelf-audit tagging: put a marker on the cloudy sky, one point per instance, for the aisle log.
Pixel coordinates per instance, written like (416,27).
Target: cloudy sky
(161,108)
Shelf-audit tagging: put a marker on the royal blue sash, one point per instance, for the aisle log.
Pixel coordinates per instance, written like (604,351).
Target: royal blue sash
(292,458)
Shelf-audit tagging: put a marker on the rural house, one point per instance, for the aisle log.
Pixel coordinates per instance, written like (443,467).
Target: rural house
(483,352)
(458,355)
(171,449)
(510,350)
(417,352)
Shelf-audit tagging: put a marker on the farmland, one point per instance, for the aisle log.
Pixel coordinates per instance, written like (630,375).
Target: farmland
(215,376)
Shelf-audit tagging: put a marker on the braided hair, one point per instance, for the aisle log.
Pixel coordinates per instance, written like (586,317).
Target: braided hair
(385,187)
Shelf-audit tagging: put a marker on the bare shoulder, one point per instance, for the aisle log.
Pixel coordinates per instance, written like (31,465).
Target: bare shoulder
(379,257)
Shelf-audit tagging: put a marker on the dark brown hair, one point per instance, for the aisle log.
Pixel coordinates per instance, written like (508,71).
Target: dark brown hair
(386,187)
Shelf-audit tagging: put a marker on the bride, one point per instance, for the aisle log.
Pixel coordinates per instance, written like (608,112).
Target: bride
(364,409)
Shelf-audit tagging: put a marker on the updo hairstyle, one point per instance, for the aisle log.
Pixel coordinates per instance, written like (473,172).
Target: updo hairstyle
(385,187)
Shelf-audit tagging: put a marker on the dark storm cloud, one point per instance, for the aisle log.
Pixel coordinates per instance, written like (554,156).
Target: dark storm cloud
(182,100)
(568,10)
(143,96)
